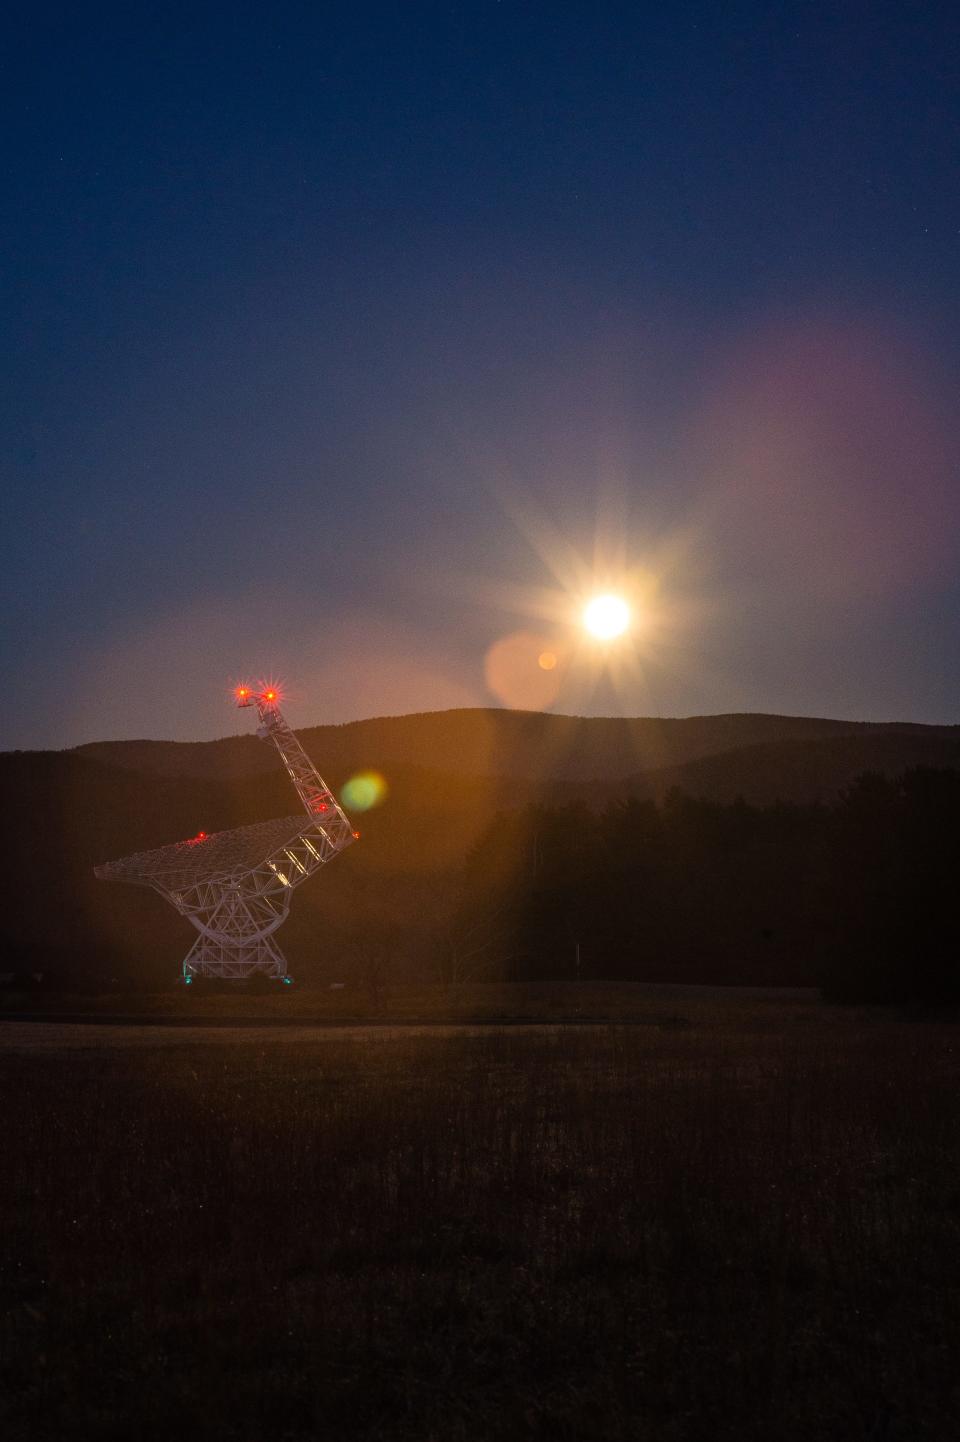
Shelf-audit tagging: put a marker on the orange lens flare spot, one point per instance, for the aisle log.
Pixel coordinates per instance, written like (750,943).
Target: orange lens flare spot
(523,672)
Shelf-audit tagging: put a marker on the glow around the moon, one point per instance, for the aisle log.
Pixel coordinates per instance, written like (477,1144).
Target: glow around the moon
(606,617)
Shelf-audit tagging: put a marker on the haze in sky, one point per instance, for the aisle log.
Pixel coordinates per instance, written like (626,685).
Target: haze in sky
(360,345)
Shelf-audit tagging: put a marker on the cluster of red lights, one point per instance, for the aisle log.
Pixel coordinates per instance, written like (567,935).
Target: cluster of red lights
(246,693)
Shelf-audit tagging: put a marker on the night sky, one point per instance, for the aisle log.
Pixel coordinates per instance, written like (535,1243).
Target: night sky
(343,343)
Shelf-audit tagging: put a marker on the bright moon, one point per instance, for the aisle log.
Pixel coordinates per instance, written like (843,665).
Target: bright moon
(606,617)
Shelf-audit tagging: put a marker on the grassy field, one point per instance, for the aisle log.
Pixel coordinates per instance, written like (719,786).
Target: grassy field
(739,1220)
(645,1003)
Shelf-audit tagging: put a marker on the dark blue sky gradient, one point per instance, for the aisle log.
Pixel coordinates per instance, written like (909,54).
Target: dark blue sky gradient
(305,307)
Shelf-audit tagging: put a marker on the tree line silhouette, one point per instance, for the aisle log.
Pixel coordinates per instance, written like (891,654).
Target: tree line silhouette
(857,896)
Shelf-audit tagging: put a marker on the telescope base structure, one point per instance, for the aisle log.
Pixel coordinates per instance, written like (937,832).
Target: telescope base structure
(235,888)
(230,959)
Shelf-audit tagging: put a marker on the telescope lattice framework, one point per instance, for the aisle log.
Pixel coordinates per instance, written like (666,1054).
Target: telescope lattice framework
(235,886)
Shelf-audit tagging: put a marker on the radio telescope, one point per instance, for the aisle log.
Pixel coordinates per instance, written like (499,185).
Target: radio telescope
(235,886)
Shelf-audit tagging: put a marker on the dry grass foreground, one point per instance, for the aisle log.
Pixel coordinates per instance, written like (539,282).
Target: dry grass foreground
(744,1227)
(643,1003)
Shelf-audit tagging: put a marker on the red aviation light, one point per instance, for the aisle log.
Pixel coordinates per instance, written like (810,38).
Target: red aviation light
(356,835)
(268,693)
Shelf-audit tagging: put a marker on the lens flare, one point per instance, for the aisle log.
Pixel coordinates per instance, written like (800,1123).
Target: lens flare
(517,673)
(606,617)
(364,791)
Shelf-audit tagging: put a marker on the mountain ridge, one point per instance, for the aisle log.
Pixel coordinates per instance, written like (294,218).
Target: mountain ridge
(488,742)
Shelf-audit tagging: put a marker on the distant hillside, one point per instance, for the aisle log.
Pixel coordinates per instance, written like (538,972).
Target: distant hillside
(799,771)
(514,744)
(452,777)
